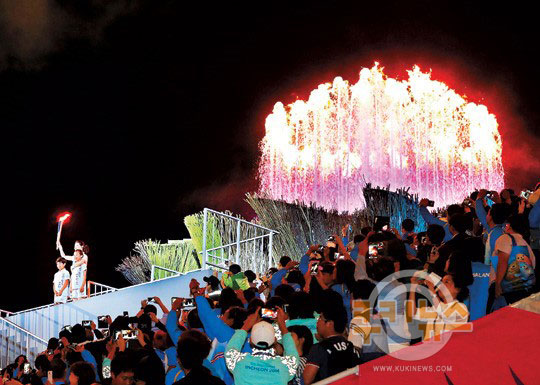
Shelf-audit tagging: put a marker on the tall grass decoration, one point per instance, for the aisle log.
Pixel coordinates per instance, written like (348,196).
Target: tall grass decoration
(194,224)
(301,225)
(178,256)
(398,205)
(222,233)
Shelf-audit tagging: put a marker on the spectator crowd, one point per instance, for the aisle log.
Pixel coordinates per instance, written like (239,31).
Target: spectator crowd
(307,320)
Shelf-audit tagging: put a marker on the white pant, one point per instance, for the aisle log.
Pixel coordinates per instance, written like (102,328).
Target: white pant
(63,298)
(77,294)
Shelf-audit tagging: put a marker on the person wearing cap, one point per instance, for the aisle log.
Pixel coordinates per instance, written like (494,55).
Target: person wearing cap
(213,282)
(263,365)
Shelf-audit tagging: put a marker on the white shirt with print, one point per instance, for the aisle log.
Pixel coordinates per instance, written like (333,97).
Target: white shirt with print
(60,277)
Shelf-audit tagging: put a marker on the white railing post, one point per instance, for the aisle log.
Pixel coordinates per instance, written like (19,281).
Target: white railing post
(270,259)
(238,223)
(205,252)
(152,272)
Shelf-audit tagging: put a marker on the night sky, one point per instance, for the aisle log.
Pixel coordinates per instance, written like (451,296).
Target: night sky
(133,114)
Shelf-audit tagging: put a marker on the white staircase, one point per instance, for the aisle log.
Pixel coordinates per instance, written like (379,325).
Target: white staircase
(27,332)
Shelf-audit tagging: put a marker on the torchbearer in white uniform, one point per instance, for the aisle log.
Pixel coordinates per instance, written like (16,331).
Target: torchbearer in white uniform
(78,277)
(61,281)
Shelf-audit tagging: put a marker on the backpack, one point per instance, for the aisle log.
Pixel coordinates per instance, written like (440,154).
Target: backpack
(519,273)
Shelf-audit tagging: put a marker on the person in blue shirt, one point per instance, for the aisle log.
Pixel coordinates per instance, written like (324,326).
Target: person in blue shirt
(192,350)
(312,252)
(354,252)
(492,221)
(285,264)
(432,220)
(534,215)
(514,262)
(343,283)
(301,312)
(222,328)
(263,365)
(407,230)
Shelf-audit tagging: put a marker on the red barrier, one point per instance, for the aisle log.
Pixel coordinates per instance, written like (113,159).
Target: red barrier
(501,349)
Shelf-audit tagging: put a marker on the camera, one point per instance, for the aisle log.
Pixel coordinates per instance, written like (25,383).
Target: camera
(430,203)
(314,268)
(525,194)
(150,299)
(188,302)
(381,223)
(215,295)
(86,323)
(127,334)
(268,313)
(375,249)
(102,322)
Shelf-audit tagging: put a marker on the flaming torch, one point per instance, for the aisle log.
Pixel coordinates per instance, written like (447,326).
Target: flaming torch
(61,219)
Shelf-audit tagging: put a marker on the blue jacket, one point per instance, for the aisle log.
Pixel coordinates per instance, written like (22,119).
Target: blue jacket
(534,216)
(220,367)
(172,327)
(431,220)
(276,279)
(89,357)
(493,233)
(262,366)
(214,327)
(304,264)
(477,301)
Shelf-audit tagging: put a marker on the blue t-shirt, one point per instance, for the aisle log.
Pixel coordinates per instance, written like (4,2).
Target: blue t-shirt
(478,291)
(431,220)
(346,297)
(354,253)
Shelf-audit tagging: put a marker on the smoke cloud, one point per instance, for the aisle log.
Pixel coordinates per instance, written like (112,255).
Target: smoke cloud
(32,29)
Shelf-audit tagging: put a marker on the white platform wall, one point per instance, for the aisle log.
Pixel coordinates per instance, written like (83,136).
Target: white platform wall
(47,322)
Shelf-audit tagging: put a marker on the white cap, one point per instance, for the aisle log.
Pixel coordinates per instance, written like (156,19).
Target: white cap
(263,335)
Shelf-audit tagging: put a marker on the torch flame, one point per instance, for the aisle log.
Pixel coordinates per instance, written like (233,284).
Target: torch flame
(414,133)
(64,217)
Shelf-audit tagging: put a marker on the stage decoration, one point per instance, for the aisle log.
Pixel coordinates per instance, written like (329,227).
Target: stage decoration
(415,133)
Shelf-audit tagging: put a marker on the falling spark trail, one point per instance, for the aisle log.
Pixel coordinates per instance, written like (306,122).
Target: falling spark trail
(413,133)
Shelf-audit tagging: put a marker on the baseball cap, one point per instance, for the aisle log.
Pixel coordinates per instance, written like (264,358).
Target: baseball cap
(263,335)
(211,280)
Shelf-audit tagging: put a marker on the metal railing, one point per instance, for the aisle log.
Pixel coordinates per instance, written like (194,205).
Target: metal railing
(15,341)
(228,239)
(95,288)
(5,313)
(158,272)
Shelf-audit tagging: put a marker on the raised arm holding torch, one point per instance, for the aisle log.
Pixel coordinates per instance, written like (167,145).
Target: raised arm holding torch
(61,219)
